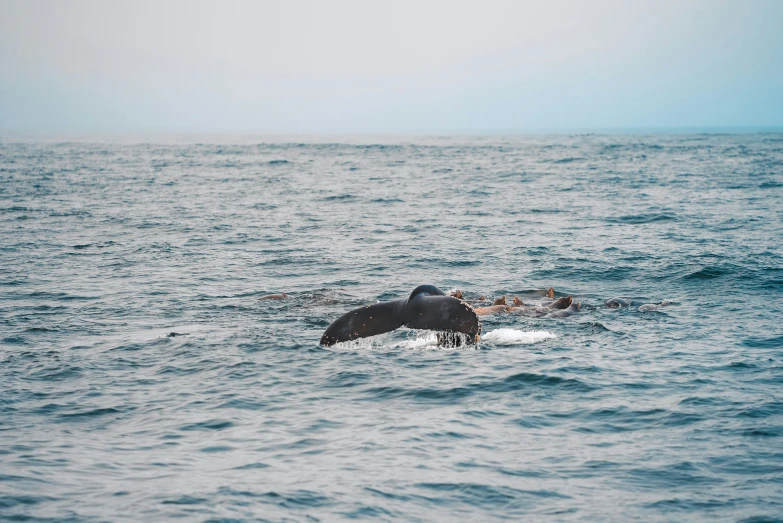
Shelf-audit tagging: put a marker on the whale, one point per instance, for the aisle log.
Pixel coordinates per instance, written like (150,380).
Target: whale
(426,308)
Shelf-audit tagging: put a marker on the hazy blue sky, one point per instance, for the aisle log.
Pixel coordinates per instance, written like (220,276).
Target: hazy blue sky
(396,66)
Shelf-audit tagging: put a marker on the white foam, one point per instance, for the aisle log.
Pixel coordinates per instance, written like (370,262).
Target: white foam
(429,340)
(425,340)
(516,337)
(420,342)
(362,343)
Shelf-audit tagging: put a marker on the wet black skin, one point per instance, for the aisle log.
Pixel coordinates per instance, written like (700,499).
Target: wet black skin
(427,308)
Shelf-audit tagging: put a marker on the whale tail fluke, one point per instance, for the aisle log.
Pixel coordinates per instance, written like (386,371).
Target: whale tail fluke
(443,313)
(366,321)
(427,308)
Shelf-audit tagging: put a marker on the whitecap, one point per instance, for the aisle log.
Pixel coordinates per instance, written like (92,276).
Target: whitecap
(516,337)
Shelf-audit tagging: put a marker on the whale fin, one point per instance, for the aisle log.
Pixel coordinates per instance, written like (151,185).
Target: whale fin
(442,313)
(366,321)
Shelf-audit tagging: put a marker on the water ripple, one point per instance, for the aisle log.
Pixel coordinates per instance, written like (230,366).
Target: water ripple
(143,379)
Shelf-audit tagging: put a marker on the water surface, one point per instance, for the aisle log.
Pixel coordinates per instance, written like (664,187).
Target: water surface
(107,247)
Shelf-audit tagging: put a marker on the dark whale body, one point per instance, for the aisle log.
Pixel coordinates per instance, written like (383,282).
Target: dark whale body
(426,308)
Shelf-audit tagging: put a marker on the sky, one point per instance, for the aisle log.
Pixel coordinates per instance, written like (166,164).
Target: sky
(389,66)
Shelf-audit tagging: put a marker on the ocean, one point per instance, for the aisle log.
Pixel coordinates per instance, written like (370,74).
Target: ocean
(142,379)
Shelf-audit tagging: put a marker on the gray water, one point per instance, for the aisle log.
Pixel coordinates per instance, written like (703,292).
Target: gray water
(141,378)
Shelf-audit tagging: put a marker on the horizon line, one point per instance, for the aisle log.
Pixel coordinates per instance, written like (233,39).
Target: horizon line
(713,129)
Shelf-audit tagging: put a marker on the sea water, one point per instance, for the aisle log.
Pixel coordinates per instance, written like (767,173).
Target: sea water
(142,379)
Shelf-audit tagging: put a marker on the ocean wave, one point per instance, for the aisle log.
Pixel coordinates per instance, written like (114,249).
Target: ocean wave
(568,160)
(772,342)
(135,354)
(639,219)
(710,272)
(528,382)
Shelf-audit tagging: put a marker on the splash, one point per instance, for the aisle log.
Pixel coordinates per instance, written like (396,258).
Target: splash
(429,340)
(426,341)
(516,337)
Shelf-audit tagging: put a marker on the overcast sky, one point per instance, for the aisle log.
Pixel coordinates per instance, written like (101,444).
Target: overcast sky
(393,66)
